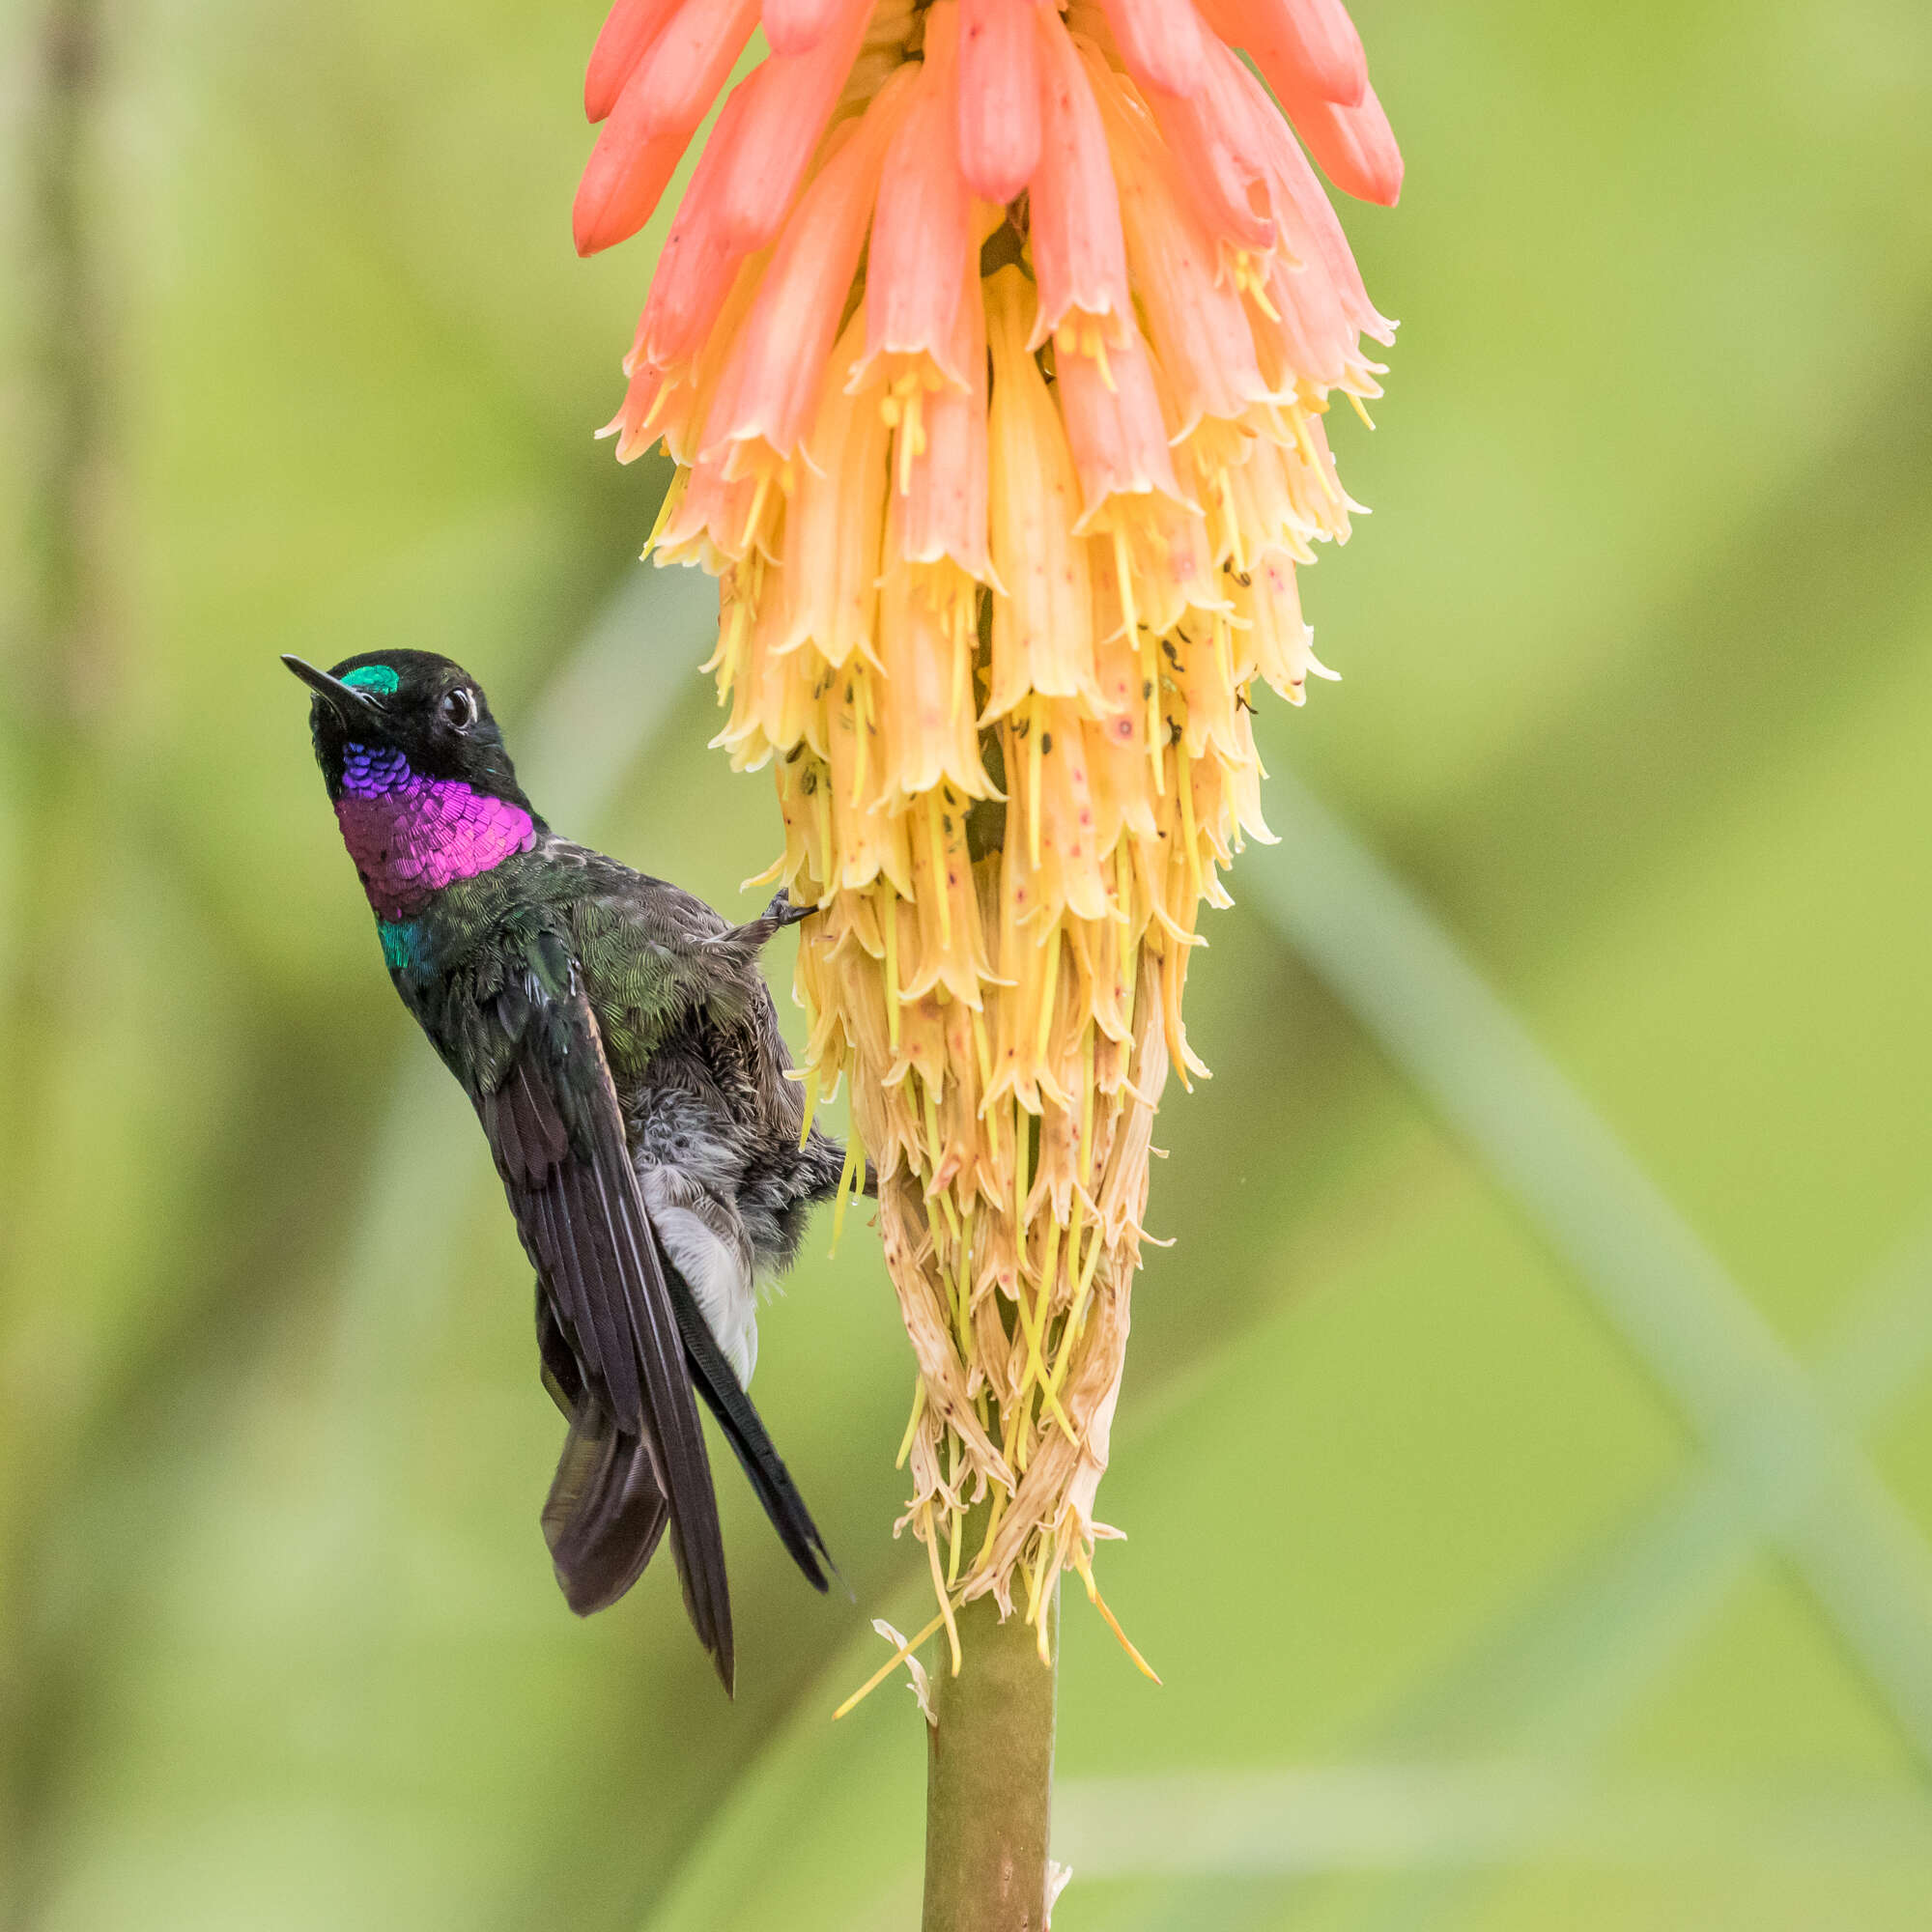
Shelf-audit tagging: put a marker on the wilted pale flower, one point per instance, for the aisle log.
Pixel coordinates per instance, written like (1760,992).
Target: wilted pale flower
(994,344)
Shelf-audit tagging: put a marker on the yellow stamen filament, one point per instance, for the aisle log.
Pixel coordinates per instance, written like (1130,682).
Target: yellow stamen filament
(1297,421)
(1123,574)
(811,1105)
(1183,778)
(888,918)
(956,1520)
(862,733)
(1037,1601)
(666,510)
(891,1665)
(963,1288)
(1224,496)
(1086,1161)
(1033,1575)
(821,812)
(725,660)
(1250,282)
(1305,441)
(932,1144)
(1049,1268)
(1151,679)
(1355,403)
(1083,1564)
(961,622)
(912,434)
(935,806)
(930,1539)
(1035,713)
(659,404)
(1001,1498)
(1094,345)
(758,495)
(911,1423)
(1077,1308)
(848,1178)
(1035,1334)
(946,1208)
(1049,985)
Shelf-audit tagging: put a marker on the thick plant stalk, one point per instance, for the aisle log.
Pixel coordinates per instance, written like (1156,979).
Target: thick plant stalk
(989,1774)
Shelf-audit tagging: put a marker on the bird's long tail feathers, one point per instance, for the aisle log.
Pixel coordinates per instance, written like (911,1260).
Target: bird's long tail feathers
(770,1481)
(605,1512)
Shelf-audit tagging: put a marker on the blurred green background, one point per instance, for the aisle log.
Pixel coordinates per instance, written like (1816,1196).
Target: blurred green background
(1526,1446)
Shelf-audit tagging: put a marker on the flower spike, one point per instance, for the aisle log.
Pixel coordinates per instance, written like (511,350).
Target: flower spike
(995,343)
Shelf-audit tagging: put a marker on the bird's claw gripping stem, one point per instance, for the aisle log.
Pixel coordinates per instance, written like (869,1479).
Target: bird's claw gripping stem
(781,913)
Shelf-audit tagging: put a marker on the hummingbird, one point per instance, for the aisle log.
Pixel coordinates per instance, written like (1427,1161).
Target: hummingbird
(621,1049)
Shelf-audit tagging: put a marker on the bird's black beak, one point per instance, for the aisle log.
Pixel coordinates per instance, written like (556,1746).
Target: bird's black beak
(348,703)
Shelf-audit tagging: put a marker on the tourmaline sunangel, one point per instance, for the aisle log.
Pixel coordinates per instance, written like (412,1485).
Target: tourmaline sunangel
(620,1047)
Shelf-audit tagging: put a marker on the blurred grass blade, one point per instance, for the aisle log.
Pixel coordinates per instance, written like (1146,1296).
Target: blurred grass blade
(1382,1817)
(1884,1343)
(1401,976)
(1559,1675)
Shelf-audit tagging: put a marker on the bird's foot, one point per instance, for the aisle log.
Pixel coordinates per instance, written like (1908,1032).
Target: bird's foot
(781,913)
(769,923)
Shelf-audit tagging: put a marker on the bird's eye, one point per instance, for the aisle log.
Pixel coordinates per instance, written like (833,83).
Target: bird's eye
(459,708)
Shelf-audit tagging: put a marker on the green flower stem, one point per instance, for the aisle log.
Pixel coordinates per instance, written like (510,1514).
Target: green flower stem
(989,1775)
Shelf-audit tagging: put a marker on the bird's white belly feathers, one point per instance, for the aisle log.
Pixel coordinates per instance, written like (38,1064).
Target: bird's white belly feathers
(706,1243)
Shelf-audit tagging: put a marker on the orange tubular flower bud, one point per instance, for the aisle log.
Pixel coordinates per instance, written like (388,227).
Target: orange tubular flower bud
(1302,47)
(683,68)
(629,30)
(790,98)
(1354,145)
(797,26)
(995,342)
(669,87)
(1199,330)
(1160,41)
(1080,258)
(771,382)
(999,97)
(923,248)
(623,183)
(683,303)
(1219,156)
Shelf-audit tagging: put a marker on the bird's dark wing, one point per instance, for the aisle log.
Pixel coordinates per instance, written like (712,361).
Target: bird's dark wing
(606,1513)
(530,1051)
(745,1429)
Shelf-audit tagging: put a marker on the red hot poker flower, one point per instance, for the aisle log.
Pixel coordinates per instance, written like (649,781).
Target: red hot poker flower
(995,341)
